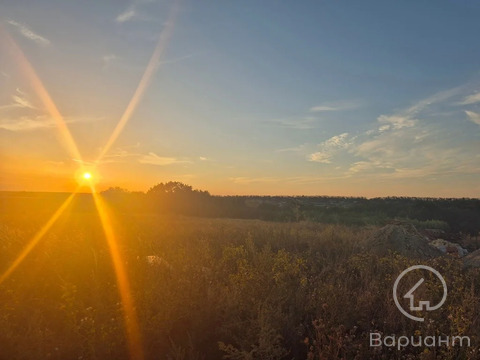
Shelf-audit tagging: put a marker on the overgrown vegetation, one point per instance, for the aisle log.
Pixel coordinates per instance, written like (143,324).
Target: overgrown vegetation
(215,288)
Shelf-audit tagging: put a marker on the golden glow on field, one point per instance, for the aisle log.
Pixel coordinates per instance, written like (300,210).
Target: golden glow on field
(37,237)
(130,315)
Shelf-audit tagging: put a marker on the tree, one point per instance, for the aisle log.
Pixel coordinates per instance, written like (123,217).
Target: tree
(115,191)
(171,187)
(178,197)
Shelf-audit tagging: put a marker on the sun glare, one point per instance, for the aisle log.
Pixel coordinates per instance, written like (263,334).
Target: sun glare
(86,176)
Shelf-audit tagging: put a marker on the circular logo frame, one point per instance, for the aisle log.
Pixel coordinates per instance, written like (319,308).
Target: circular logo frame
(408,295)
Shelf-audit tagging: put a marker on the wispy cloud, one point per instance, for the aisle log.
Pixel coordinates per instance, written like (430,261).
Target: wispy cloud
(127,15)
(296,180)
(409,117)
(153,159)
(436,98)
(405,147)
(298,148)
(395,122)
(308,120)
(470,99)
(321,157)
(473,117)
(132,153)
(133,11)
(322,108)
(403,161)
(251,180)
(330,147)
(369,167)
(20,100)
(419,141)
(38,122)
(120,154)
(335,106)
(27,123)
(29,34)
(301,123)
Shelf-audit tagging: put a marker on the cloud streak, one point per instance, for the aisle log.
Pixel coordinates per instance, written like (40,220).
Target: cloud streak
(127,15)
(29,34)
(471,99)
(336,106)
(22,102)
(473,117)
(19,101)
(38,122)
(153,159)
(302,123)
(25,123)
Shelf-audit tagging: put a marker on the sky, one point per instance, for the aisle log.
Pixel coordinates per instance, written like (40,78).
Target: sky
(334,97)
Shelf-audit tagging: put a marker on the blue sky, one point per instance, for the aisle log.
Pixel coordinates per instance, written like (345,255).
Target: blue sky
(367,98)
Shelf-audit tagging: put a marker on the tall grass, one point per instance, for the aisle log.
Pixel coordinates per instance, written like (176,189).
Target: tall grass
(234,289)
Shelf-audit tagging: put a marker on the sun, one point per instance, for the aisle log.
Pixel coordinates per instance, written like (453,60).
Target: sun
(87,176)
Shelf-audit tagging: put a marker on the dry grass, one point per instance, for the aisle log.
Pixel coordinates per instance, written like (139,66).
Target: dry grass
(236,289)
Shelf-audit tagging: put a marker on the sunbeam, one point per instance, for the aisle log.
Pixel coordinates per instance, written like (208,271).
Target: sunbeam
(129,312)
(42,93)
(38,236)
(152,66)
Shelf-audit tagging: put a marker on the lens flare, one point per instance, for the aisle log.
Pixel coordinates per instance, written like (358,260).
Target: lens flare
(86,176)
(38,236)
(37,85)
(152,66)
(129,312)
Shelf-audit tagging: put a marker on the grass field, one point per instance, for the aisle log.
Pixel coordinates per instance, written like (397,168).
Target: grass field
(215,288)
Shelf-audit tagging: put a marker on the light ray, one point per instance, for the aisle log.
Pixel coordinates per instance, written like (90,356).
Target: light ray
(129,312)
(37,237)
(41,92)
(151,68)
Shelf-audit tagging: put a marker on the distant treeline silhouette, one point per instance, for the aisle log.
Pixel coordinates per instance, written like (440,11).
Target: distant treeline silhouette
(450,214)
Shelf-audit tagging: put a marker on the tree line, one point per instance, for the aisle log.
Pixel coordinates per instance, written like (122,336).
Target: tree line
(450,214)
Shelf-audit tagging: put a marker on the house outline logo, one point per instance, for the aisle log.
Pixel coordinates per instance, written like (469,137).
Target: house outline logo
(422,305)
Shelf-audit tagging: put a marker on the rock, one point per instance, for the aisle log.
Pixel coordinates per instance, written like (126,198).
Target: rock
(472,259)
(403,239)
(448,247)
(433,234)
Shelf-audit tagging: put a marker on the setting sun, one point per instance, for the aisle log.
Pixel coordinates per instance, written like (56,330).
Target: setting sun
(86,177)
